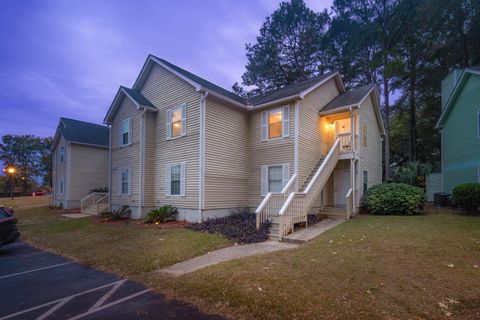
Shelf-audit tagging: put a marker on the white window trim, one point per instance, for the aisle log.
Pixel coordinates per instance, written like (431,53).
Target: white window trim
(264,183)
(130,132)
(265,127)
(169,112)
(183,178)
(129,193)
(61,185)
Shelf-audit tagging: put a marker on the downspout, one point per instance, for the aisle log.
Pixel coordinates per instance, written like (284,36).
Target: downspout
(201,187)
(142,160)
(295,142)
(109,167)
(352,163)
(54,176)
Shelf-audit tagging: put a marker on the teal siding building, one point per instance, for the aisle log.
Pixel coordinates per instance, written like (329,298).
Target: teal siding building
(460,128)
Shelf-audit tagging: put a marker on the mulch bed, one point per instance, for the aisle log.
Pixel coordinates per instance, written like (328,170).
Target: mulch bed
(139,223)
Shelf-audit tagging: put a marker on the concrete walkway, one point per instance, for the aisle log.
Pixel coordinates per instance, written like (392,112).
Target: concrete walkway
(75,215)
(226,254)
(312,231)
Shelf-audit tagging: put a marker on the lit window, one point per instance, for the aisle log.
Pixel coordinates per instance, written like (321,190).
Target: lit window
(126,132)
(125,181)
(275,178)
(275,118)
(176,122)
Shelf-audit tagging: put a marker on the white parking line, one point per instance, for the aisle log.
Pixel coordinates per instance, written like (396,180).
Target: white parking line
(54,308)
(110,304)
(56,301)
(107,295)
(35,270)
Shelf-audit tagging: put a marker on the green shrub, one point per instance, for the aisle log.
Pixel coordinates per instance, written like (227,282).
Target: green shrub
(467,196)
(116,214)
(395,199)
(161,214)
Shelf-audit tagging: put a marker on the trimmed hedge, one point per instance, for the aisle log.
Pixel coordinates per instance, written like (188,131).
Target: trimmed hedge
(467,196)
(395,199)
(240,226)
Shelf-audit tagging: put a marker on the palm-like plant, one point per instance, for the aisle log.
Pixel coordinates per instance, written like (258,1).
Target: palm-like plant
(161,214)
(412,173)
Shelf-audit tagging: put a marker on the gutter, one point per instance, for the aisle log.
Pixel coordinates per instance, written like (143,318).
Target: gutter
(266,104)
(201,188)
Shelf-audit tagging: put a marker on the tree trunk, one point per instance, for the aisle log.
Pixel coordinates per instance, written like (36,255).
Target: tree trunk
(412,155)
(386,108)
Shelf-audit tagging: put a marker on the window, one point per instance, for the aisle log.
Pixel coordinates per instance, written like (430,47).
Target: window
(126,132)
(365,182)
(176,121)
(175,179)
(125,182)
(62,154)
(61,185)
(275,123)
(274,177)
(365,134)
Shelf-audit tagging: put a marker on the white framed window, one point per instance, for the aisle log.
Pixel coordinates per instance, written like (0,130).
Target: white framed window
(275,123)
(176,121)
(274,177)
(365,182)
(61,185)
(126,181)
(365,134)
(62,154)
(175,179)
(126,132)
(478,123)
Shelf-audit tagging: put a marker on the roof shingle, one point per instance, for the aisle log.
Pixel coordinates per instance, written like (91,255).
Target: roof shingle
(348,98)
(83,132)
(138,97)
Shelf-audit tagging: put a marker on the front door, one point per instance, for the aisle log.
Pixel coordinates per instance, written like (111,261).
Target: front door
(342,126)
(341,184)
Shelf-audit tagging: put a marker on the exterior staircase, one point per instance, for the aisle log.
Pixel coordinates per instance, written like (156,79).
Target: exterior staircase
(286,208)
(95,203)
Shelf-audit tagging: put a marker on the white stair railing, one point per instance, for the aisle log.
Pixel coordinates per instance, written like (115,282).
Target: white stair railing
(349,197)
(273,201)
(92,200)
(103,204)
(298,204)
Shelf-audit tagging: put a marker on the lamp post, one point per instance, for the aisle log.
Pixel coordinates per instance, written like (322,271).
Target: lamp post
(10,170)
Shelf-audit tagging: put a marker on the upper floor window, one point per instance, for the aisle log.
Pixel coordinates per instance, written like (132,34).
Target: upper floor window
(364,134)
(62,154)
(274,177)
(176,120)
(175,179)
(126,132)
(126,181)
(275,123)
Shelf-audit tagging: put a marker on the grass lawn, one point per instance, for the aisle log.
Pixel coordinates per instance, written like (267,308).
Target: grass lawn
(127,249)
(371,267)
(24,201)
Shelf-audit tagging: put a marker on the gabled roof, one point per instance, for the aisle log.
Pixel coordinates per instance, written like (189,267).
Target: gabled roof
(295,90)
(135,96)
(81,132)
(291,90)
(349,98)
(455,92)
(353,98)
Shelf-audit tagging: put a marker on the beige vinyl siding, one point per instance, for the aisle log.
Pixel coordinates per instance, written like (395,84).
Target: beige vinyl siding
(312,133)
(60,170)
(88,170)
(370,158)
(165,90)
(269,152)
(150,144)
(226,156)
(126,156)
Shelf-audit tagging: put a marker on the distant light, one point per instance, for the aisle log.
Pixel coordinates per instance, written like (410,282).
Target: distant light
(11,170)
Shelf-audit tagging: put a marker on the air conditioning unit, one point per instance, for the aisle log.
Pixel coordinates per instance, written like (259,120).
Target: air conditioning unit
(442,199)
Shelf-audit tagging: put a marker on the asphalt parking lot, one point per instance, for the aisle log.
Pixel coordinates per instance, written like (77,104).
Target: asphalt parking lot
(36,284)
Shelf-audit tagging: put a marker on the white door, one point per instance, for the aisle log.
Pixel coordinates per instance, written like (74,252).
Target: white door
(341,184)
(342,126)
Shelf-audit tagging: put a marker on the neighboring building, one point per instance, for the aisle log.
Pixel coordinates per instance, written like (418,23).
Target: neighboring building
(181,140)
(80,161)
(460,128)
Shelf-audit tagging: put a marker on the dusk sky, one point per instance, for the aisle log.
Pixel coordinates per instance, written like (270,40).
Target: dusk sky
(68,58)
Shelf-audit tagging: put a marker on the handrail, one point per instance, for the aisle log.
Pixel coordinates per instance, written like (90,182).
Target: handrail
(92,200)
(349,192)
(263,203)
(289,183)
(323,165)
(287,203)
(349,197)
